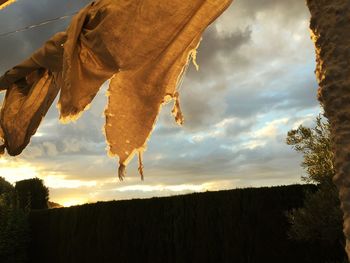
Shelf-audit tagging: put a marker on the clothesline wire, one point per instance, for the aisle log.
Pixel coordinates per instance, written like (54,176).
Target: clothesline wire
(42,23)
(182,77)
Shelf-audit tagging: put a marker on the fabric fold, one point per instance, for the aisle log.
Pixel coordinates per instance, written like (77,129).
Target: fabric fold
(23,110)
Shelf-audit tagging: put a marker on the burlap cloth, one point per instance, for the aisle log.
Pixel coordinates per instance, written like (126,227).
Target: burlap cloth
(142,46)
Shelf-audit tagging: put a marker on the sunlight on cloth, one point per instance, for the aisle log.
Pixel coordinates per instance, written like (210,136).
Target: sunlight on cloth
(145,60)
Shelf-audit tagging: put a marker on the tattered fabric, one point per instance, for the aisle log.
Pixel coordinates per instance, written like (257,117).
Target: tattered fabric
(141,46)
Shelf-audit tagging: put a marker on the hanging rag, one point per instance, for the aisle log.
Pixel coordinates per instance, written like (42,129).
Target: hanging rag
(142,46)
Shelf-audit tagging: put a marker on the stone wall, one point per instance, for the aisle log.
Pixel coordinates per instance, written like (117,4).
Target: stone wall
(330,29)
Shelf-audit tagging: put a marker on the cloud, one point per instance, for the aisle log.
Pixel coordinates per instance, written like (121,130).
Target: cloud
(17,47)
(216,52)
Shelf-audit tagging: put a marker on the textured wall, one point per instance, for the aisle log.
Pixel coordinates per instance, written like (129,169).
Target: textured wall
(330,26)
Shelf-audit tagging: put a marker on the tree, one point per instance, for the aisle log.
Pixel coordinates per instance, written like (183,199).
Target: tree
(7,192)
(5,186)
(316,147)
(320,219)
(32,193)
(14,229)
(15,205)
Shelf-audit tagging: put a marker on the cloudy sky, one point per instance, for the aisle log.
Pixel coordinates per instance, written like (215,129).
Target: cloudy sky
(256,81)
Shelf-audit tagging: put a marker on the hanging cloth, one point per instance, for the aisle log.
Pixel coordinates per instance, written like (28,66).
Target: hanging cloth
(143,47)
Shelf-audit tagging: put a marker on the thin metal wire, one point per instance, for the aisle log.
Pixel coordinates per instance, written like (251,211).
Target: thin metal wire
(183,73)
(37,25)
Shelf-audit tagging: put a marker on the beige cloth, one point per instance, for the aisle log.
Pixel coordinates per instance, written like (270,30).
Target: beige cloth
(31,88)
(5,3)
(23,110)
(143,46)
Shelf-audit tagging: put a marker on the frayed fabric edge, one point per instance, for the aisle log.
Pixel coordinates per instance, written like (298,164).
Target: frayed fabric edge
(140,165)
(176,111)
(121,171)
(65,119)
(122,165)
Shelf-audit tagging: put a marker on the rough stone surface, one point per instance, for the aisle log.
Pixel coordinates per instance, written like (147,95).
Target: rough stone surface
(330,28)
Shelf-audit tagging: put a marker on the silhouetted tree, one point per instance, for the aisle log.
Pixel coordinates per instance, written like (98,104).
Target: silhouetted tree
(321,217)
(6,192)
(5,186)
(32,193)
(14,231)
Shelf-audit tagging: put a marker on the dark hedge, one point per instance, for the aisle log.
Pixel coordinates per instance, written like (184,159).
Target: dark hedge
(242,225)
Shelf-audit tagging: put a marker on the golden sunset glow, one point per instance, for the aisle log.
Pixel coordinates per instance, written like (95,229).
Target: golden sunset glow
(14,171)
(71,202)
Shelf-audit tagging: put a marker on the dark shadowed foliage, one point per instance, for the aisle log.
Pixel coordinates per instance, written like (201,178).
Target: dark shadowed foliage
(32,193)
(14,232)
(243,225)
(7,192)
(5,186)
